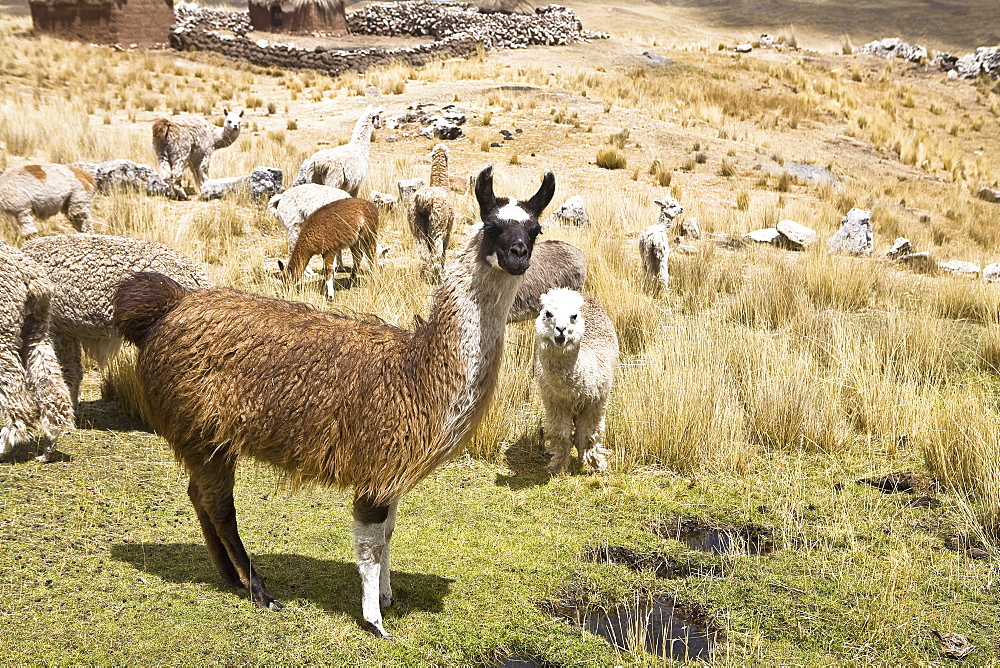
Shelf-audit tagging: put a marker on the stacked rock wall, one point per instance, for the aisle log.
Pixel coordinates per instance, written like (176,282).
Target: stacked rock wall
(458,28)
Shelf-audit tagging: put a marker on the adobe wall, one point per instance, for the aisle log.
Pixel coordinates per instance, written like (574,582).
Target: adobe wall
(125,22)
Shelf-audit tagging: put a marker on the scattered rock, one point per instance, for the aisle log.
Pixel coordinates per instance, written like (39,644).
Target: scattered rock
(743,48)
(572,212)
(128,175)
(407,187)
(900,247)
(655,58)
(384,200)
(961,268)
(953,645)
(218,188)
(686,249)
(984,60)
(766,40)
(991,273)
(893,47)
(265,183)
(795,236)
(854,235)
(691,228)
(920,261)
(768,235)
(989,194)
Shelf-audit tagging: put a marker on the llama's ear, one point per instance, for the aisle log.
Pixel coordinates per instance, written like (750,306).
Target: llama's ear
(541,199)
(659,202)
(242,111)
(225,111)
(484,191)
(281,265)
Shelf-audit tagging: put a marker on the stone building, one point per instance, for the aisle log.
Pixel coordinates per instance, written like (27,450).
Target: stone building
(299,16)
(125,22)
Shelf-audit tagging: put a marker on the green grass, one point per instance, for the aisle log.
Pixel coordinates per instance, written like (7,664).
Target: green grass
(104,563)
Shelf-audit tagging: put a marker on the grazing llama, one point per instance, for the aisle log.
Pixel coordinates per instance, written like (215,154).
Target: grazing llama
(31,386)
(346,223)
(188,142)
(554,264)
(294,205)
(42,191)
(85,269)
(576,350)
(345,402)
(346,166)
(431,217)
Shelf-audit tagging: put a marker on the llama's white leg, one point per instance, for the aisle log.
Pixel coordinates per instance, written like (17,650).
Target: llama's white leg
(27,222)
(558,432)
(369,546)
(55,407)
(385,597)
(590,439)
(201,172)
(78,212)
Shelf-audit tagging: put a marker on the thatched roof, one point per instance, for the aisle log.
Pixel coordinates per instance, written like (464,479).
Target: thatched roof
(328,5)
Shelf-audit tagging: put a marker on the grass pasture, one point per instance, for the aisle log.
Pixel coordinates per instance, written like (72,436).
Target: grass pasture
(755,393)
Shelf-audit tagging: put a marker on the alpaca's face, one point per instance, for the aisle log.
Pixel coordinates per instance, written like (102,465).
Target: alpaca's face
(233,120)
(510,226)
(376,115)
(670,208)
(560,320)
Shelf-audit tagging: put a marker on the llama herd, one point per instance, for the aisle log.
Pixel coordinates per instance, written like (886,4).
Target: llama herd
(351,403)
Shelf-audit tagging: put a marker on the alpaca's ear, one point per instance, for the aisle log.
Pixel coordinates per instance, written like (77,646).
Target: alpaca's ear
(484,191)
(659,202)
(281,265)
(541,199)
(225,111)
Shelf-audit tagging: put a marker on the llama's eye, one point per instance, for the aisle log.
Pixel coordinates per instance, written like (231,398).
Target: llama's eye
(572,318)
(546,314)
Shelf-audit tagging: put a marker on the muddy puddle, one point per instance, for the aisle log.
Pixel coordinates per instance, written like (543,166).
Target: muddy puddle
(664,566)
(704,537)
(657,625)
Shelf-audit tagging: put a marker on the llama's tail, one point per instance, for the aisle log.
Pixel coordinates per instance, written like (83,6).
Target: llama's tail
(44,375)
(141,300)
(161,128)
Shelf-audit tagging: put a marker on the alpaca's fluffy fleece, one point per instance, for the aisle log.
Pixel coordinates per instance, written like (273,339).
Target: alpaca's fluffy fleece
(297,203)
(654,252)
(31,385)
(576,350)
(432,216)
(188,141)
(85,269)
(42,191)
(346,166)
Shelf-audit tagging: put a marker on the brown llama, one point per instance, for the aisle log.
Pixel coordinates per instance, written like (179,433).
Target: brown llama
(345,223)
(331,399)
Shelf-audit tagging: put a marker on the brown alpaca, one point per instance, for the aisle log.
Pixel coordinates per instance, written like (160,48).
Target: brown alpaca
(346,223)
(345,402)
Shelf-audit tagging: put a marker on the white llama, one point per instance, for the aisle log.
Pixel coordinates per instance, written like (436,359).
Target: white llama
(188,141)
(346,166)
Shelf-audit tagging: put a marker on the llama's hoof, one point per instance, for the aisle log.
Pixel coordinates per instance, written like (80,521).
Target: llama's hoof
(377,630)
(44,458)
(275,606)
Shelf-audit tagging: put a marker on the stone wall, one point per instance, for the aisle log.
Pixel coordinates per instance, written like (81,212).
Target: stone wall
(457,28)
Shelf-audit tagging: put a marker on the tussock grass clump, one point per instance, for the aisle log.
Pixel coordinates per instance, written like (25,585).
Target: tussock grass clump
(964,299)
(988,350)
(904,346)
(769,298)
(611,157)
(842,283)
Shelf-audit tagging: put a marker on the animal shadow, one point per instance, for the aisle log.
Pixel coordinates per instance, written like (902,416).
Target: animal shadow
(106,415)
(26,452)
(526,460)
(330,584)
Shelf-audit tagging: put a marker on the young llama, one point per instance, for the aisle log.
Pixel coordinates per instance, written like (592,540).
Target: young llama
(431,217)
(346,166)
(188,141)
(351,403)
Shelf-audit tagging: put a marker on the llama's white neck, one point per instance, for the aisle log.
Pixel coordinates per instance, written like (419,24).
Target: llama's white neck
(470,314)
(361,137)
(225,136)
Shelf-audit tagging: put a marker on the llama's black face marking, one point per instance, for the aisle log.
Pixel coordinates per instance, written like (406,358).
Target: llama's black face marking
(509,226)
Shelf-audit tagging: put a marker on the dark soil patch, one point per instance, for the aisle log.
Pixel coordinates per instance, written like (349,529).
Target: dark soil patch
(656,623)
(903,481)
(970,546)
(713,538)
(662,565)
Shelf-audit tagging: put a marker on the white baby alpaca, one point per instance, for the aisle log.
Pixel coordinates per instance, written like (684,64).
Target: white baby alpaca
(576,350)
